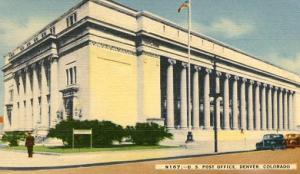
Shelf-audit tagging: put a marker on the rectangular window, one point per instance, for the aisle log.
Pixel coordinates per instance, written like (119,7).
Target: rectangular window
(44,34)
(71,19)
(40,110)
(71,76)
(67,74)
(52,30)
(75,75)
(36,39)
(68,22)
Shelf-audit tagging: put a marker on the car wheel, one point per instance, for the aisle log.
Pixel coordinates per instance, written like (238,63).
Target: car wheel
(273,148)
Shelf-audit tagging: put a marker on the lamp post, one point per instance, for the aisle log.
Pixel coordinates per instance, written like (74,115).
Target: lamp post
(215,96)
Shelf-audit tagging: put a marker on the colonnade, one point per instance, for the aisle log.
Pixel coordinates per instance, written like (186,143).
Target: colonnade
(244,103)
(32,87)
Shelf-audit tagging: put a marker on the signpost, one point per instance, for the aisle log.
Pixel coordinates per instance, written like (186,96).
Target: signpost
(82,132)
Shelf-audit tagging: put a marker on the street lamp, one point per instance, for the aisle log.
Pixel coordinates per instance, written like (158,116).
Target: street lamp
(215,96)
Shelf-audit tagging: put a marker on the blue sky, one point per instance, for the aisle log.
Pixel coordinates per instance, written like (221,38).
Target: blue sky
(268,29)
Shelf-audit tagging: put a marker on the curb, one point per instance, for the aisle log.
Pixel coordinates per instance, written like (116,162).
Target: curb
(118,162)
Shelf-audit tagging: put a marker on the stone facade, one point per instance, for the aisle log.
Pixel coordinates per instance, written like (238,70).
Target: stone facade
(133,68)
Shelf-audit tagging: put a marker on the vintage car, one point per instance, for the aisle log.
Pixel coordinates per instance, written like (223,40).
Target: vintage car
(292,140)
(271,141)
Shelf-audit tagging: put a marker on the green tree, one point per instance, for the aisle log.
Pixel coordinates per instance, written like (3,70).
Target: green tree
(13,137)
(104,132)
(147,133)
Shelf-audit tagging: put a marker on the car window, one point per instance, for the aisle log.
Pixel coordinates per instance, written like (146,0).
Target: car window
(271,136)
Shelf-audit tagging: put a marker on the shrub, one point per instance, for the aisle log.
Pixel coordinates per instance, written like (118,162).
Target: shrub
(13,137)
(147,133)
(104,132)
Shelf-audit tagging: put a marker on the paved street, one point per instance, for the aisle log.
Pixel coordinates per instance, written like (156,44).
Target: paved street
(257,157)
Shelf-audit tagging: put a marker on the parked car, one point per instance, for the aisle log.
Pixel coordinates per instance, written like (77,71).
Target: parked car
(271,141)
(292,140)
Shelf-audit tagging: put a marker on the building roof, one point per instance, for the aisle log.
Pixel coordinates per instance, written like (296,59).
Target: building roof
(155,17)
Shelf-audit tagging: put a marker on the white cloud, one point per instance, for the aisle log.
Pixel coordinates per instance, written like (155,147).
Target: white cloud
(223,27)
(289,63)
(13,33)
(231,28)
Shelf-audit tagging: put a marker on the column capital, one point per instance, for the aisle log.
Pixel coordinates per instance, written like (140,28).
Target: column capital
(184,64)
(264,85)
(270,86)
(227,76)
(15,74)
(172,61)
(258,83)
(251,82)
(33,66)
(280,89)
(207,70)
(218,74)
(275,88)
(236,78)
(244,79)
(54,58)
(19,72)
(42,62)
(197,68)
(26,69)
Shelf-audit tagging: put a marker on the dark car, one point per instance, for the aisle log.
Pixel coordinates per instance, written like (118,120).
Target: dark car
(271,141)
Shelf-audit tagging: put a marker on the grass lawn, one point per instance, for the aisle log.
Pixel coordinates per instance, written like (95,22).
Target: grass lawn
(86,149)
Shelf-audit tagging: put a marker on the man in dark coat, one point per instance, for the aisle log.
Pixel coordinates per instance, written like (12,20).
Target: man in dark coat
(29,143)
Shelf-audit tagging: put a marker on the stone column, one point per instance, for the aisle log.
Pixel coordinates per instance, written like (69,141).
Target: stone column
(183,97)
(196,113)
(207,99)
(293,110)
(250,105)
(275,109)
(35,94)
(28,101)
(257,107)
(235,113)
(243,105)
(44,92)
(218,109)
(15,112)
(170,94)
(263,107)
(269,122)
(21,101)
(285,109)
(54,93)
(291,117)
(280,114)
(226,101)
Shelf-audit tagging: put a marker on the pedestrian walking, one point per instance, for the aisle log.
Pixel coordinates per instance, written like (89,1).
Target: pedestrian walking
(29,143)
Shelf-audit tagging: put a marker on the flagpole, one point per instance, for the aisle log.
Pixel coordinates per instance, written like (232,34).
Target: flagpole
(189,62)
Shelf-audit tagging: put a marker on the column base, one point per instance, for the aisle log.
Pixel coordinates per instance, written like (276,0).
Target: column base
(226,128)
(208,128)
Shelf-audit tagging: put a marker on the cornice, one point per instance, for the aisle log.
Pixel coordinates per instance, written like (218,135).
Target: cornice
(112,48)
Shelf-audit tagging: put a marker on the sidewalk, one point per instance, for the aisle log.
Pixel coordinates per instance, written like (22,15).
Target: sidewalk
(12,160)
